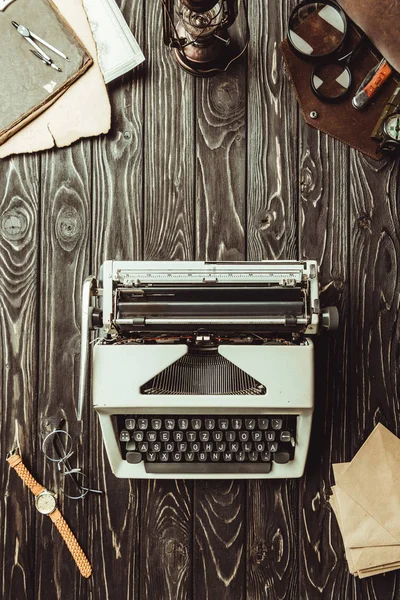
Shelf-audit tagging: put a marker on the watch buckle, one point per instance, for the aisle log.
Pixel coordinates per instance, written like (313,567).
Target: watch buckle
(15,450)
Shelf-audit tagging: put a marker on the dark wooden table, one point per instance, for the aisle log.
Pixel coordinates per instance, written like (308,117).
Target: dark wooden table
(220,169)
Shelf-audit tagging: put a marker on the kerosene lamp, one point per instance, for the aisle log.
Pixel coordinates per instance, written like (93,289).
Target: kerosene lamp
(207,36)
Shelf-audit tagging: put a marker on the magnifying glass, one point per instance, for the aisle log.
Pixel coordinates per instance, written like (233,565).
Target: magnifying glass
(316,29)
(331,79)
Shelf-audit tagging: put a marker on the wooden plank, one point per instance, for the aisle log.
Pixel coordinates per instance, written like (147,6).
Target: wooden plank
(118,162)
(272,512)
(374,317)
(220,532)
(221,165)
(272,132)
(114,524)
(19,293)
(169,153)
(219,552)
(167,235)
(324,219)
(65,235)
(166,554)
(272,526)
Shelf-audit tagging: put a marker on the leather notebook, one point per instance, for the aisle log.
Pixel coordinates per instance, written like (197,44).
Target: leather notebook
(27,85)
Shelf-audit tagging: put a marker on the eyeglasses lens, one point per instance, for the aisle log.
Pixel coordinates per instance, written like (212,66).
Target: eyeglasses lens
(57,446)
(74,485)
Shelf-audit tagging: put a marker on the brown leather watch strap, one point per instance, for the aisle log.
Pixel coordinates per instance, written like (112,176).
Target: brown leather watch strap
(73,546)
(82,562)
(15,461)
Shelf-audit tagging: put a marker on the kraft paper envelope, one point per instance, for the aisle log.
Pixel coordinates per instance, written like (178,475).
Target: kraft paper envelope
(359,529)
(336,510)
(372,479)
(370,546)
(84,109)
(360,556)
(364,562)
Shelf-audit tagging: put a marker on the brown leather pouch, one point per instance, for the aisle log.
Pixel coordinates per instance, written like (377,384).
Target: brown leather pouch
(340,120)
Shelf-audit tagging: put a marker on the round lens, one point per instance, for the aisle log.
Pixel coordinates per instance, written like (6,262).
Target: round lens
(331,81)
(316,28)
(57,445)
(75,486)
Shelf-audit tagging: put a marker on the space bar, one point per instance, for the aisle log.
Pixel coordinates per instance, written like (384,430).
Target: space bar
(208,468)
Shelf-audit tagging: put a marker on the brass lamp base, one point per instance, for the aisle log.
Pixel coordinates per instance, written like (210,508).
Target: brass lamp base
(206,63)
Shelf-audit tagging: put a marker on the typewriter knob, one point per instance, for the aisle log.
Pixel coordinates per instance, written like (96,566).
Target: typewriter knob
(95,317)
(330,318)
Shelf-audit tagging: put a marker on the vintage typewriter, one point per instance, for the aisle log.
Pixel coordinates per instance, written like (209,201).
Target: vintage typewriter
(202,369)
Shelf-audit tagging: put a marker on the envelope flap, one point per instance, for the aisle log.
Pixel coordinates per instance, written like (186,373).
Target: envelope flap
(359,528)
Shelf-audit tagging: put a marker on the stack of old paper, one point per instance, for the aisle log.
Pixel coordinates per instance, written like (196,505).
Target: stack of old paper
(118,50)
(83,110)
(366,501)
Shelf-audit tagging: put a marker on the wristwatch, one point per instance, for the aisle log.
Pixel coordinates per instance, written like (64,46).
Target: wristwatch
(45,502)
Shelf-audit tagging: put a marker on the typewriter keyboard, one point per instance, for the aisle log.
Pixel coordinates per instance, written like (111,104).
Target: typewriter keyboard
(207,443)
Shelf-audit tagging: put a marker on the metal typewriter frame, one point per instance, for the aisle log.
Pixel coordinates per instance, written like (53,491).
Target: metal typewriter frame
(111,362)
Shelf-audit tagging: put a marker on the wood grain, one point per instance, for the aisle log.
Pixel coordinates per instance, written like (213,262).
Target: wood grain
(169,150)
(118,163)
(324,237)
(19,295)
(65,237)
(219,528)
(220,235)
(272,190)
(272,525)
(168,195)
(167,547)
(374,342)
(221,165)
(116,221)
(272,187)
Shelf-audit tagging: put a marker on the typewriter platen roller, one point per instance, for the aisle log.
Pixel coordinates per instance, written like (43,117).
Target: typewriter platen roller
(203,369)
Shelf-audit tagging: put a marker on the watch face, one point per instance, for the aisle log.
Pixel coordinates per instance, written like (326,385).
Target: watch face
(45,503)
(392,127)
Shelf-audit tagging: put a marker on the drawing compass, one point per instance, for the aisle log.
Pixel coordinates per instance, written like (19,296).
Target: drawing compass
(32,38)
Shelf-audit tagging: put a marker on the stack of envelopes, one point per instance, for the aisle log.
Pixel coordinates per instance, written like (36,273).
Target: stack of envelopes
(366,502)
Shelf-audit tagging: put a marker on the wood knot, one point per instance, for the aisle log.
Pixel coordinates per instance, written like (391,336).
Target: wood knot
(175,554)
(260,553)
(266,219)
(387,261)
(69,227)
(226,96)
(310,179)
(338,284)
(364,221)
(14,224)
(278,545)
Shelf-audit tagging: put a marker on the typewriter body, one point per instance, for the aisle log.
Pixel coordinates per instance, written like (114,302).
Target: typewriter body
(203,370)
